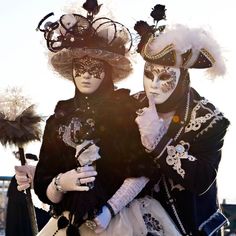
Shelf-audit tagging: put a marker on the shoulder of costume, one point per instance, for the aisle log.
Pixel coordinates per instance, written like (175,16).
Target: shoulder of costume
(207,114)
(63,107)
(125,101)
(202,103)
(122,93)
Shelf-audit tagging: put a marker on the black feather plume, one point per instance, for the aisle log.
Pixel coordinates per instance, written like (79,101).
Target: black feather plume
(19,123)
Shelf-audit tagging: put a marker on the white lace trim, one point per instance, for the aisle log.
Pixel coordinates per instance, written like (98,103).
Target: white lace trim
(127,192)
(163,130)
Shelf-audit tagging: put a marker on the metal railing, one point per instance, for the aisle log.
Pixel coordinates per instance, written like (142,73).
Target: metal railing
(4,184)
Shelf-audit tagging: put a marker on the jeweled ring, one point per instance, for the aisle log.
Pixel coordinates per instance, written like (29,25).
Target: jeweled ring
(78,169)
(78,183)
(91,224)
(140,112)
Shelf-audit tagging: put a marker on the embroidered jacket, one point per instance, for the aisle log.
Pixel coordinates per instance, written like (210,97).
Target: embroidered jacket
(187,157)
(120,149)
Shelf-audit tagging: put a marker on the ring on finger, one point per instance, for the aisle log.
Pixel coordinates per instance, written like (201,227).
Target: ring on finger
(140,112)
(78,183)
(91,224)
(90,185)
(78,169)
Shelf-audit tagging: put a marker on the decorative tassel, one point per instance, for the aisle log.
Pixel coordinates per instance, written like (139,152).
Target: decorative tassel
(62,222)
(72,231)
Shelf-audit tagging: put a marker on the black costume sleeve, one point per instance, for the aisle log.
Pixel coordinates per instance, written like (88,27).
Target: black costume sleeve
(49,164)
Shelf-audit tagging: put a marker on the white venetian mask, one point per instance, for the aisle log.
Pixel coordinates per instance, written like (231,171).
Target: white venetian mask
(160,81)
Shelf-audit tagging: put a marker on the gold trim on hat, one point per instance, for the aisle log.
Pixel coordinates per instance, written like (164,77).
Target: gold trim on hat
(186,57)
(204,59)
(208,55)
(160,54)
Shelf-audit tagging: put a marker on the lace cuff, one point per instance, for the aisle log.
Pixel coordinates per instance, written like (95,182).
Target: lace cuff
(150,146)
(127,192)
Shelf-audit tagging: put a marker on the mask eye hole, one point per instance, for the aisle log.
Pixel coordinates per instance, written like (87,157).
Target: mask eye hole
(96,71)
(164,76)
(149,74)
(79,70)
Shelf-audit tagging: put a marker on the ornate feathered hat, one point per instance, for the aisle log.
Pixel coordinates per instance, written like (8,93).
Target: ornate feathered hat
(75,36)
(178,45)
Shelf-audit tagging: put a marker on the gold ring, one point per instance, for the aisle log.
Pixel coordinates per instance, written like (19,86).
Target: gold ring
(91,224)
(78,183)
(140,112)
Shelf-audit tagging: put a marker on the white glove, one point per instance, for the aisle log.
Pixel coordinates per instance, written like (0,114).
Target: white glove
(89,154)
(127,192)
(149,125)
(74,180)
(24,176)
(102,220)
(123,196)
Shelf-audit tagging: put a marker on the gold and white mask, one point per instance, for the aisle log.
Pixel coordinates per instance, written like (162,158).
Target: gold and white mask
(160,81)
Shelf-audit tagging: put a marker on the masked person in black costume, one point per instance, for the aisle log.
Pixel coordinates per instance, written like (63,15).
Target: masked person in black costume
(93,135)
(182,131)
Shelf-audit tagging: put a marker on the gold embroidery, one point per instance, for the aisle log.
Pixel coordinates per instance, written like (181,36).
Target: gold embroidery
(158,55)
(176,153)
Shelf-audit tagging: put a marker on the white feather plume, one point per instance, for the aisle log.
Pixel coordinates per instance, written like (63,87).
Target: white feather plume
(184,38)
(13,103)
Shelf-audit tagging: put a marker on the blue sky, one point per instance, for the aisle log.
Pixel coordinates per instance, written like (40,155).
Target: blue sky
(23,61)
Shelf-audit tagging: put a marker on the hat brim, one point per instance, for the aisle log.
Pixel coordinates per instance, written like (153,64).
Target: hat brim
(62,61)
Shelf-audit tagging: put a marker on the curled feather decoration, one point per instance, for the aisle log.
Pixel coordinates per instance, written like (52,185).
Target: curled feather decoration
(19,123)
